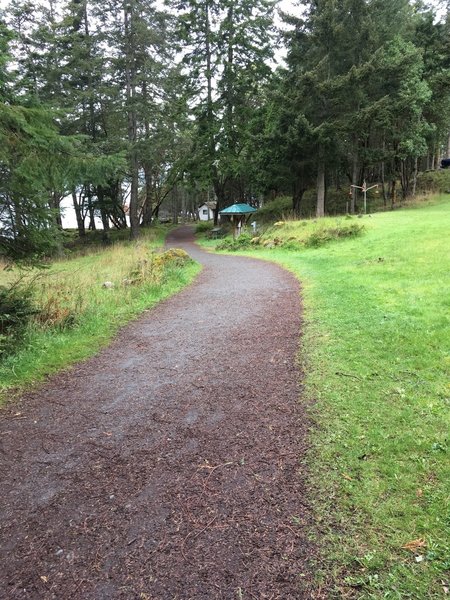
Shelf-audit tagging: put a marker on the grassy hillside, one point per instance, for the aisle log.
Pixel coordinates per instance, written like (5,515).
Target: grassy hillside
(376,355)
(76,314)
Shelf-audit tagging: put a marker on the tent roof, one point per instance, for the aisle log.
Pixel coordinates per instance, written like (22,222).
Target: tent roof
(238,209)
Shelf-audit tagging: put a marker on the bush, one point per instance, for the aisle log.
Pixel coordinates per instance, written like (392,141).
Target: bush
(243,241)
(275,210)
(322,236)
(204,226)
(16,312)
(434,181)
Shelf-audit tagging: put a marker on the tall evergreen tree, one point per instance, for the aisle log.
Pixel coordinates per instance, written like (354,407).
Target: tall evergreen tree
(353,86)
(229,45)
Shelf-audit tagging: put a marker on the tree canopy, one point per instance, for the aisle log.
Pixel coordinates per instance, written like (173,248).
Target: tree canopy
(124,105)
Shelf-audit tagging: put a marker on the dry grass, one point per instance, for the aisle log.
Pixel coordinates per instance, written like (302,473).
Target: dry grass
(77,313)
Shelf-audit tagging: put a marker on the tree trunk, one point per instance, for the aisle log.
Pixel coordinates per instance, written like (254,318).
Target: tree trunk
(355,181)
(299,190)
(219,188)
(80,221)
(438,156)
(134,195)
(183,204)
(393,192)
(416,170)
(383,176)
(320,208)
(210,117)
(103,214)
(147,208)
(175,206)
(91,212)
(54,203)
(404,177)
(383,184)
(131,114)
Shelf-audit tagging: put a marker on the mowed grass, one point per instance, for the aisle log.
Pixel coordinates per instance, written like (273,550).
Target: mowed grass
(376,357)
(77,315)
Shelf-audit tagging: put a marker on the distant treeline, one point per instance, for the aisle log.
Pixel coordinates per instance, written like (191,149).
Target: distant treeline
(125,106)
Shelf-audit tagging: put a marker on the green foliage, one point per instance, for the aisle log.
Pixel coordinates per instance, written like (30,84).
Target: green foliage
(203,226)
(37,162)
(274,210)
(233,245)
(357,98)
(434,181)
(296,236)
(17,309)
(5,37)
(227,46)
(324,235)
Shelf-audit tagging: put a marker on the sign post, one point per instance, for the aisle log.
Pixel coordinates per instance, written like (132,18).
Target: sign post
(365,189)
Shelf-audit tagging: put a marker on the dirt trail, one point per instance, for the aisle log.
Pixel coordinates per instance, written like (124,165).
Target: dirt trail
(169,465)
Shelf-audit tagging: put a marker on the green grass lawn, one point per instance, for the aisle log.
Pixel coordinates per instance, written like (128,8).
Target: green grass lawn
(376,356)
(77,315)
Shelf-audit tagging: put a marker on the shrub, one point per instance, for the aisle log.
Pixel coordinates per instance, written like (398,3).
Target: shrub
(275,210)
(243,241)
(322,236)
(175,256)
(434,181)
(293,244)
(204,226)
(16,311)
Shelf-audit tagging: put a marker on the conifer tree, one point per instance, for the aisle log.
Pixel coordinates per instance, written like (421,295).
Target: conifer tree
(229,47)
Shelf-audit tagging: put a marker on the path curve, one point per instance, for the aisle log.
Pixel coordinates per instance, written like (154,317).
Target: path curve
(167,466)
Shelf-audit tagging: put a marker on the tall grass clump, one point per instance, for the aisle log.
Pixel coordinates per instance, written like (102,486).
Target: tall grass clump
(17,309)
(75,306)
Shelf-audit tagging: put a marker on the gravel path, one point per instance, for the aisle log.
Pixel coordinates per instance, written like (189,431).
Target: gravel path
(169,465)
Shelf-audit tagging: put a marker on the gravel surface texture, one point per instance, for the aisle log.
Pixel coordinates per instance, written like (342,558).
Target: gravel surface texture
(169,466)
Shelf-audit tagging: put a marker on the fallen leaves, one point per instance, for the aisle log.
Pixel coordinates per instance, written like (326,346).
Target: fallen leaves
(415,545)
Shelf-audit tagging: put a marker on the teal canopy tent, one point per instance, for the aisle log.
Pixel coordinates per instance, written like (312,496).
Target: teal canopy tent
(237,214)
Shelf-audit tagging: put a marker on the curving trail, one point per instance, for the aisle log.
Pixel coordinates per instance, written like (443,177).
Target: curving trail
(169,465)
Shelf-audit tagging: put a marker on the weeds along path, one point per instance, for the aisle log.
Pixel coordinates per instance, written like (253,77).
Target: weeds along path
(168,466)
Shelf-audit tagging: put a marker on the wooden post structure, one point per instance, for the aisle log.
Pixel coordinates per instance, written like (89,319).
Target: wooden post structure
(365,189)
